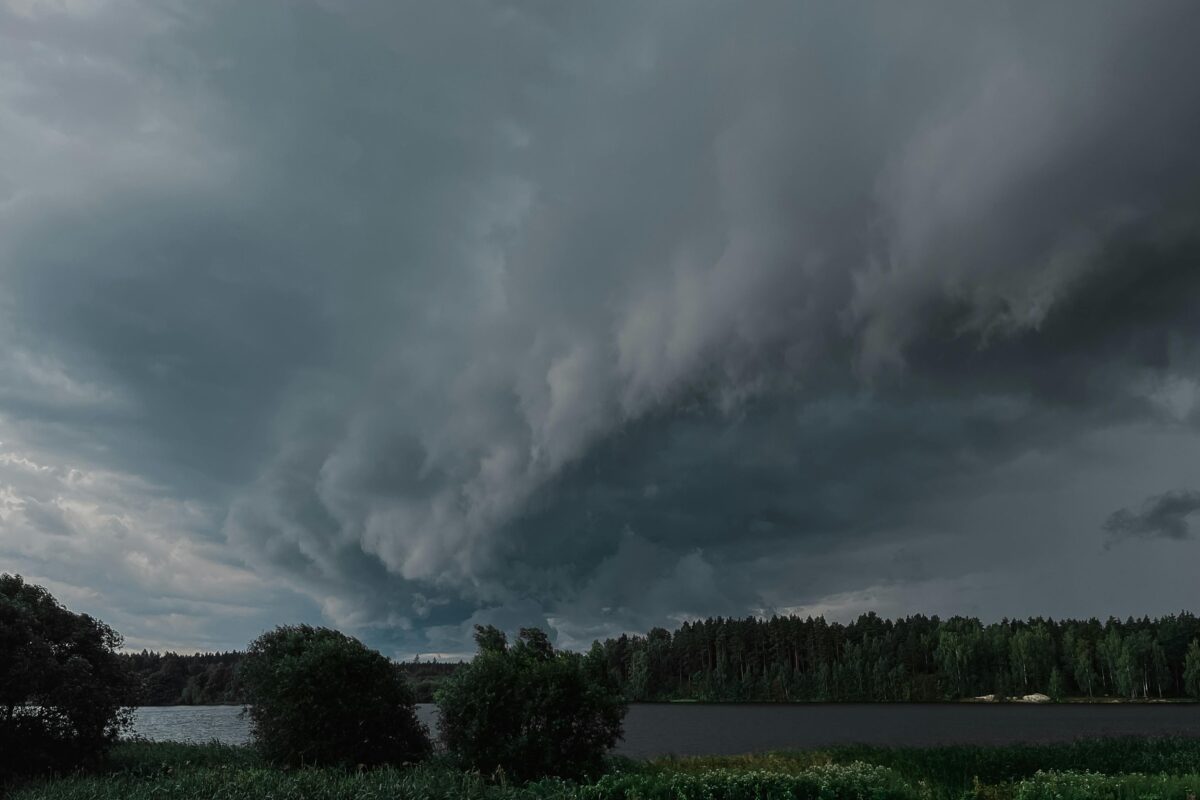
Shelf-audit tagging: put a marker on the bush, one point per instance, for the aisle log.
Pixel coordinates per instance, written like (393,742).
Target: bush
(320,697)
(64,691)
(958,765)
(528,710)
(1094,786)
(844,782)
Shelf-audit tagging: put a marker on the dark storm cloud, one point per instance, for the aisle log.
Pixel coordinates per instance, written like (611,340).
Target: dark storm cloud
(1164,515)
(592,316)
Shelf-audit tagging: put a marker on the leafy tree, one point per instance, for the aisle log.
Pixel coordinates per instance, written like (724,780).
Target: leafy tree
(1032,654)
(490,639)
(1191,669)
(1109,650)
(1058,688)
(64,692)
(1085,673)
(1162,670)
(1003,690)
(639,676)
(318,696)
(529,710)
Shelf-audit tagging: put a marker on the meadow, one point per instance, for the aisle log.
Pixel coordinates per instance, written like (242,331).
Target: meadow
(1116,769)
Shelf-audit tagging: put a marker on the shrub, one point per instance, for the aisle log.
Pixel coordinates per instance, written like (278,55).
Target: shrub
(318,696)
(425,782)
(64,691)
(843,782)
(529,710)
(957,765)
(1094,786)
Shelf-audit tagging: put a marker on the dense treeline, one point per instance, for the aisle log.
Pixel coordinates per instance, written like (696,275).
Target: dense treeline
(793,659)
(171,679)
(917,658)
(424,677)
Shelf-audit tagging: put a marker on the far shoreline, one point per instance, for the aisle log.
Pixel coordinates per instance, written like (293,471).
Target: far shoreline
(967,701)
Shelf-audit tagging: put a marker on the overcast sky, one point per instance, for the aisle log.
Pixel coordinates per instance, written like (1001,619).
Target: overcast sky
(399,317)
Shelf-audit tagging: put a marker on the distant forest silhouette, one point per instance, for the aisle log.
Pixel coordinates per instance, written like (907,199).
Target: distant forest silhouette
(807,659)
(171,679)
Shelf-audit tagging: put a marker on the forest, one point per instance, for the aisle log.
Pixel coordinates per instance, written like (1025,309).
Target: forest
(807,659)
(918,658)
(171,679)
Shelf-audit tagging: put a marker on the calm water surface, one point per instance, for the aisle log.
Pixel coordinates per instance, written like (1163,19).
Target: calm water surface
(693,729)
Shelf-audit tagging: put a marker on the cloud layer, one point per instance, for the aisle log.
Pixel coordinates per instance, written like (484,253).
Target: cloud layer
(407,316)
(1163,515)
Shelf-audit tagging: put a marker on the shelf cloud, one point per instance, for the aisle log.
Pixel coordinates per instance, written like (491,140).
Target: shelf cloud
(405,316)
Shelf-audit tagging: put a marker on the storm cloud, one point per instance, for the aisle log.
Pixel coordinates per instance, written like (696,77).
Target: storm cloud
(405,316)
(1163,515)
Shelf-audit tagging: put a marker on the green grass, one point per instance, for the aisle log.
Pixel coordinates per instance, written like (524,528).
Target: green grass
(953,771)
(1109,769)
(860,782)
(140,757)
(1094,786)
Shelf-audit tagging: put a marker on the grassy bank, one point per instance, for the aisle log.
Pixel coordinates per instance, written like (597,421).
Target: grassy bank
(1112,768)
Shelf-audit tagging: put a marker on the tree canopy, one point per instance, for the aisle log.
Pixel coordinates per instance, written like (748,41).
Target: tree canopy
(916,658)
(528,709)
(64,691)
(318,696)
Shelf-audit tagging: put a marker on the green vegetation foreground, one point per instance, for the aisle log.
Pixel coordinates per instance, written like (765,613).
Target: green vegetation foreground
(317,699)
(1108,768)
(332,718)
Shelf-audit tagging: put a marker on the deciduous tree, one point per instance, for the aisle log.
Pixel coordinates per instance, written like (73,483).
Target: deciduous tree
(318,696)
(64,692)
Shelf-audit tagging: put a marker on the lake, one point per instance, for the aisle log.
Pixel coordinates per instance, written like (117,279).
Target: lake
(696,729)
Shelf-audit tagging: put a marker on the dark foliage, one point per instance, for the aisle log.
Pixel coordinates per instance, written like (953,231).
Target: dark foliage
(808,659)
(917,658)
(529,710)
(207,679)
(1138,767)
(1000,764)
(320,697)
(170,679)
(426,676)
(63,689)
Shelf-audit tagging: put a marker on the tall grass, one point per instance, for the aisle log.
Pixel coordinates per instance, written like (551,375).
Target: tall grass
(1094,786)
(955,771)
(262,783)
(1113,769)
(142,757)
(828,782)
(853,782)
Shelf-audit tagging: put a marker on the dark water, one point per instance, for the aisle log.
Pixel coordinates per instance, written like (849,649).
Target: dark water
(691,729)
